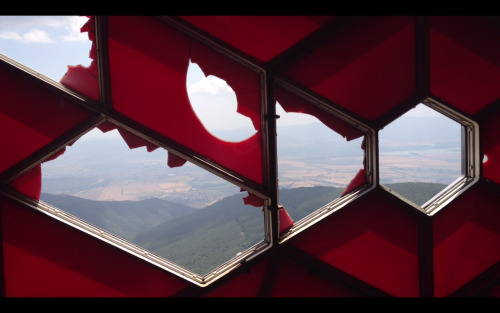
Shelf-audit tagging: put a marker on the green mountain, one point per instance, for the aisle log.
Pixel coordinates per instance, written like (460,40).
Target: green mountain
(202,239)
(122,218)
(207,238)
(302,201)
(417,193)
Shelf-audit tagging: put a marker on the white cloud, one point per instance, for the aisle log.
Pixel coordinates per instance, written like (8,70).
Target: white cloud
(74,25)
(10,36)
(22,22)
(36,29)
(32,36)
(36,36)
(210,85)
(198,84)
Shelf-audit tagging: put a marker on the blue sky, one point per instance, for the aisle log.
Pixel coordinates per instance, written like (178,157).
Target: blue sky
(46,44)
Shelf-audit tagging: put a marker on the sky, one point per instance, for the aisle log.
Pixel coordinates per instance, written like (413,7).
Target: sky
(48,44)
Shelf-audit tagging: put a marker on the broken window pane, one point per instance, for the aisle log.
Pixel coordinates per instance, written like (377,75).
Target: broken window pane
(183,214)
(317,159)
(157,77)
(215,105)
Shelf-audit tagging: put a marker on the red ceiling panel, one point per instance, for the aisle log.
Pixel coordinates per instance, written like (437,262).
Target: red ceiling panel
(246,284)
(30,183)
(262,37)
(294,280)
(368,70)
(293,103)
(490,141)
(372,239)
(44,258)
(465,62)
(160,62)
(466,239)
(30,120)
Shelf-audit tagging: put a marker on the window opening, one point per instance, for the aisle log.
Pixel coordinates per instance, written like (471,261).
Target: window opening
(315,164)
(184,214)
(420,154)
(215,105)
(47,44)
(161,57)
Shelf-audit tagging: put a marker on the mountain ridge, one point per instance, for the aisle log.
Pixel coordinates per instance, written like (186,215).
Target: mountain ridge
(202,239)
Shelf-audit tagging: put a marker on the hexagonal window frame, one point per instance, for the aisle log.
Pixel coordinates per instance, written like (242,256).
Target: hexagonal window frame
(370,160)
(256,193)
(133,249)
(200,193)
(470,161)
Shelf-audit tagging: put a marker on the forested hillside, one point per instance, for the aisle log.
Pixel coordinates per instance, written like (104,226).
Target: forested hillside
(417,193)
(202,239)
(123,218)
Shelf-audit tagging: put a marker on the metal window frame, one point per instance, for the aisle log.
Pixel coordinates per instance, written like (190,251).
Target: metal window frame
(371,159)
(470,164)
